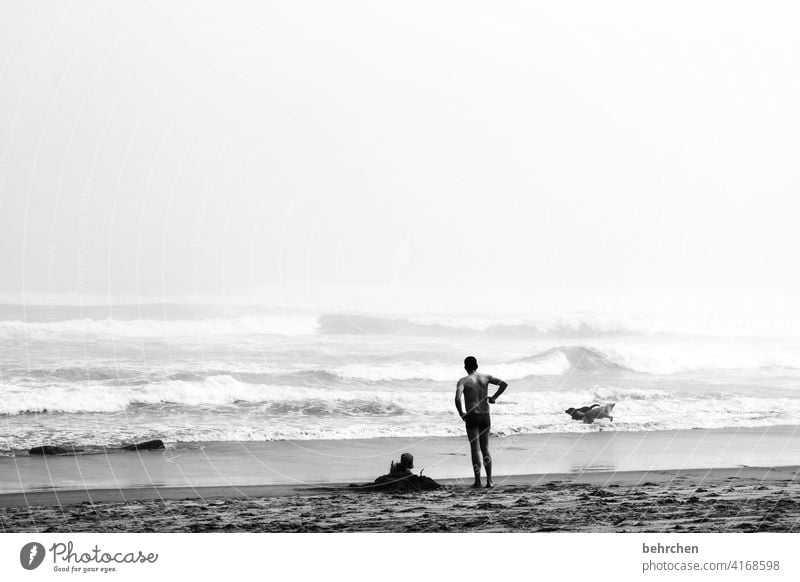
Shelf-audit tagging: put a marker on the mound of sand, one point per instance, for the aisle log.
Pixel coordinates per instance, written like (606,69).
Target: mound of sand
(399,484)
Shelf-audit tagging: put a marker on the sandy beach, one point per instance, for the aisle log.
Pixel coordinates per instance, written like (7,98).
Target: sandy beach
(713,500)
(694,481)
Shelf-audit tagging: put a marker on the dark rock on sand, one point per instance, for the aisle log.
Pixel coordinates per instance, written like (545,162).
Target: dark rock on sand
(49,450)
(153,445)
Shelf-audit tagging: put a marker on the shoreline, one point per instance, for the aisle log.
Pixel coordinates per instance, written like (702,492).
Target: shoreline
(303,463)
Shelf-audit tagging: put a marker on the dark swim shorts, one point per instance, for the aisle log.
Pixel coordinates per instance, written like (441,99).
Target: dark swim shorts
(480,420)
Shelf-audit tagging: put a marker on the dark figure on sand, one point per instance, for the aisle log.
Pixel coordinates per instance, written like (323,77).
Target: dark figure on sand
(475,389)
(403,468)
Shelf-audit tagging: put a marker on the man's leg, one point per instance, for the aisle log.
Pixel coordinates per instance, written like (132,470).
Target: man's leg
(473,433)
(483,439)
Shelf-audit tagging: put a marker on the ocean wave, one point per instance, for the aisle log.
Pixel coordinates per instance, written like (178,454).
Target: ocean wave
(211,392)
(222,391)
(297,325)
(544,327)
(665,359)
(674,358)
(558,326)
(604,362)
(290,414)
(549,363)
(565,325)
(552,363)
(225,394)
(99,373)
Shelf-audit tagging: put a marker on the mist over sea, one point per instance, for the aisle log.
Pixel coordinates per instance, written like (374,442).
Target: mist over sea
(107,375)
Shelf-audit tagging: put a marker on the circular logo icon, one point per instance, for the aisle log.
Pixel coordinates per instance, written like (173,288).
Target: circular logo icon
(31,555)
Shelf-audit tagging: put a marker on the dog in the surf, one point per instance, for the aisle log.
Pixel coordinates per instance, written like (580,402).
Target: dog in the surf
(588,414)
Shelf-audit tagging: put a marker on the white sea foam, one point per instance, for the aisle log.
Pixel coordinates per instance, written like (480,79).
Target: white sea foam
(291,413)
(634,404)
(215,391)
(672,358)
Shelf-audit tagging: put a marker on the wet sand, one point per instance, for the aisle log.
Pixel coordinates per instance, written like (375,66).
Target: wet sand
(744,499)
(295,463)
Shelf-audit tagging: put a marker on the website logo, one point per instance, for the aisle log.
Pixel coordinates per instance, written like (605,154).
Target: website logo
(31,555)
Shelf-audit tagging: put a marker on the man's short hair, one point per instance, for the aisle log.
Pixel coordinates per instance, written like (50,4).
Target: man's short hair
(470,363)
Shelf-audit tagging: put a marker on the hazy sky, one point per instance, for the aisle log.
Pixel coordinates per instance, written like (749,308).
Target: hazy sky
(442,151)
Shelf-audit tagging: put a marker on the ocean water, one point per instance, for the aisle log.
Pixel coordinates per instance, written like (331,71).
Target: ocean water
(103,376)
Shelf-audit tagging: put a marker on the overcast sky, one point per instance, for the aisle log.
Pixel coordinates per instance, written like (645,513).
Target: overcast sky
(339,151)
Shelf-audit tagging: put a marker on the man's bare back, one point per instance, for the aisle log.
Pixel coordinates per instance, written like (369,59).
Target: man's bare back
(474,388)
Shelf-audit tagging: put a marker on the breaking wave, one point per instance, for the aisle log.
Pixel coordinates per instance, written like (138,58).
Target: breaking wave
(194,379)
(567,326)
(280,413)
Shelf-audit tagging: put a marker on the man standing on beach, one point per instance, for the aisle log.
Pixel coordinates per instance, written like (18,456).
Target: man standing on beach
(475,389)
